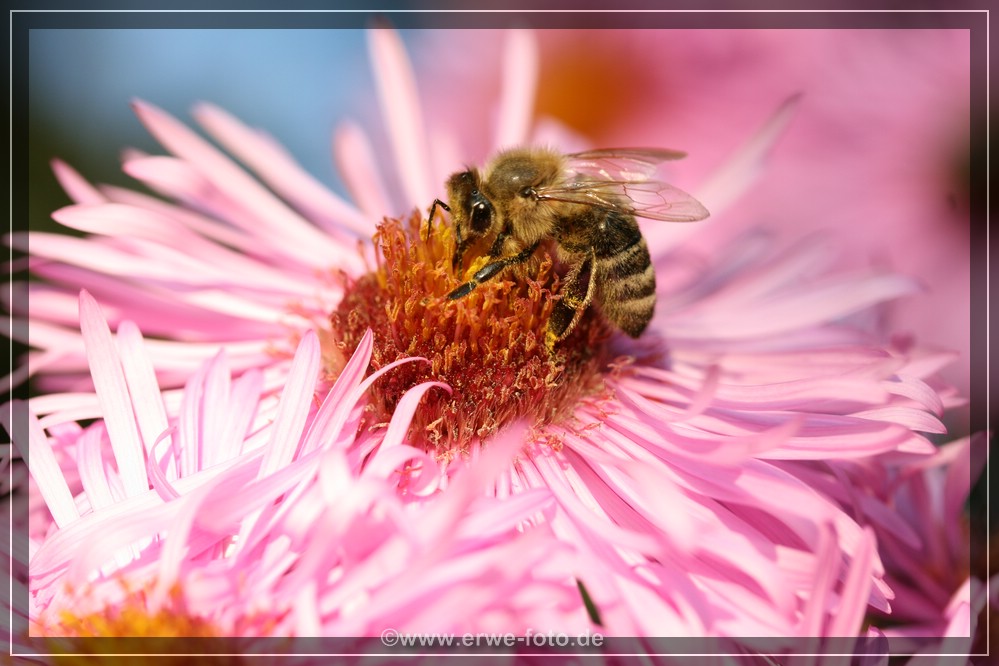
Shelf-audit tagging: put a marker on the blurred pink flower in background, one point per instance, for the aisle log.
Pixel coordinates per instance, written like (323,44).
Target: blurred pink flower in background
(929,561)
(686,495)
(878,152)
(938,614)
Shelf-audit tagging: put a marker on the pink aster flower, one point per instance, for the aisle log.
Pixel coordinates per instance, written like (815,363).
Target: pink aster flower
(666,475)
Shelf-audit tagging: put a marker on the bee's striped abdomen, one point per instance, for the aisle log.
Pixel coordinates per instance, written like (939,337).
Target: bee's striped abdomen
(627,281)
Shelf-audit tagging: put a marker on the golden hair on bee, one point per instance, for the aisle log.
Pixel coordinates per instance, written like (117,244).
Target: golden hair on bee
(584,205)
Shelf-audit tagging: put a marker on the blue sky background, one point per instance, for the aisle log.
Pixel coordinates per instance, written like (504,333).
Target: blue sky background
(295,84)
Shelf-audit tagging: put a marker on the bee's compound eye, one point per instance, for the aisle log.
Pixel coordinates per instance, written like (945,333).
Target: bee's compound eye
(482,217)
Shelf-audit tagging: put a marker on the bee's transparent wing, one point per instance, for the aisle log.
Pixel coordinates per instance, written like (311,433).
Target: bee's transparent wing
(621,179)
(621,163)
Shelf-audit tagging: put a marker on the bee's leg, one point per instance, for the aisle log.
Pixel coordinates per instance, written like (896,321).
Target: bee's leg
(433,209)
(492,270)
(576,295)
(460,245)
(497,246)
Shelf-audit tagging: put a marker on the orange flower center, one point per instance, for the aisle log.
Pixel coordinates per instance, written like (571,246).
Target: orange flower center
(487,346)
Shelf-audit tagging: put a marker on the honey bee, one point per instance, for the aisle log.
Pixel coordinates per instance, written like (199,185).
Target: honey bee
(584,205)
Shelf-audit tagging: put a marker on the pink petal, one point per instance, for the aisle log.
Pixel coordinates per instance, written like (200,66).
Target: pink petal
(342,410)
(97,534)
(112,391)
(912,419)
(402,416)
(742,168)
(278,169)
(296,400)
(729,182)
(287,230)
(674,387)
(516,99)
(856,589)
(78,189)
(189,424)
(140,378)
(387,461)
(42,462)
(401,114)
(355,160)
(91,466)
(502,448)
(242,408)
(323,427)
(811,305)
(500,516)
(157,477)
(114,219)
(100,258)
(222,233)
(826,567)
(55,403)
(215,414)
(916,389)
(578,505)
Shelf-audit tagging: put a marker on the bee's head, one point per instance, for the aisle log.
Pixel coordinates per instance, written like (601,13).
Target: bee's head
(471,211)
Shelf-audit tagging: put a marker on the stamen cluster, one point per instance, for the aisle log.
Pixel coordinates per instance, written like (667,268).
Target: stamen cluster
(487,346)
